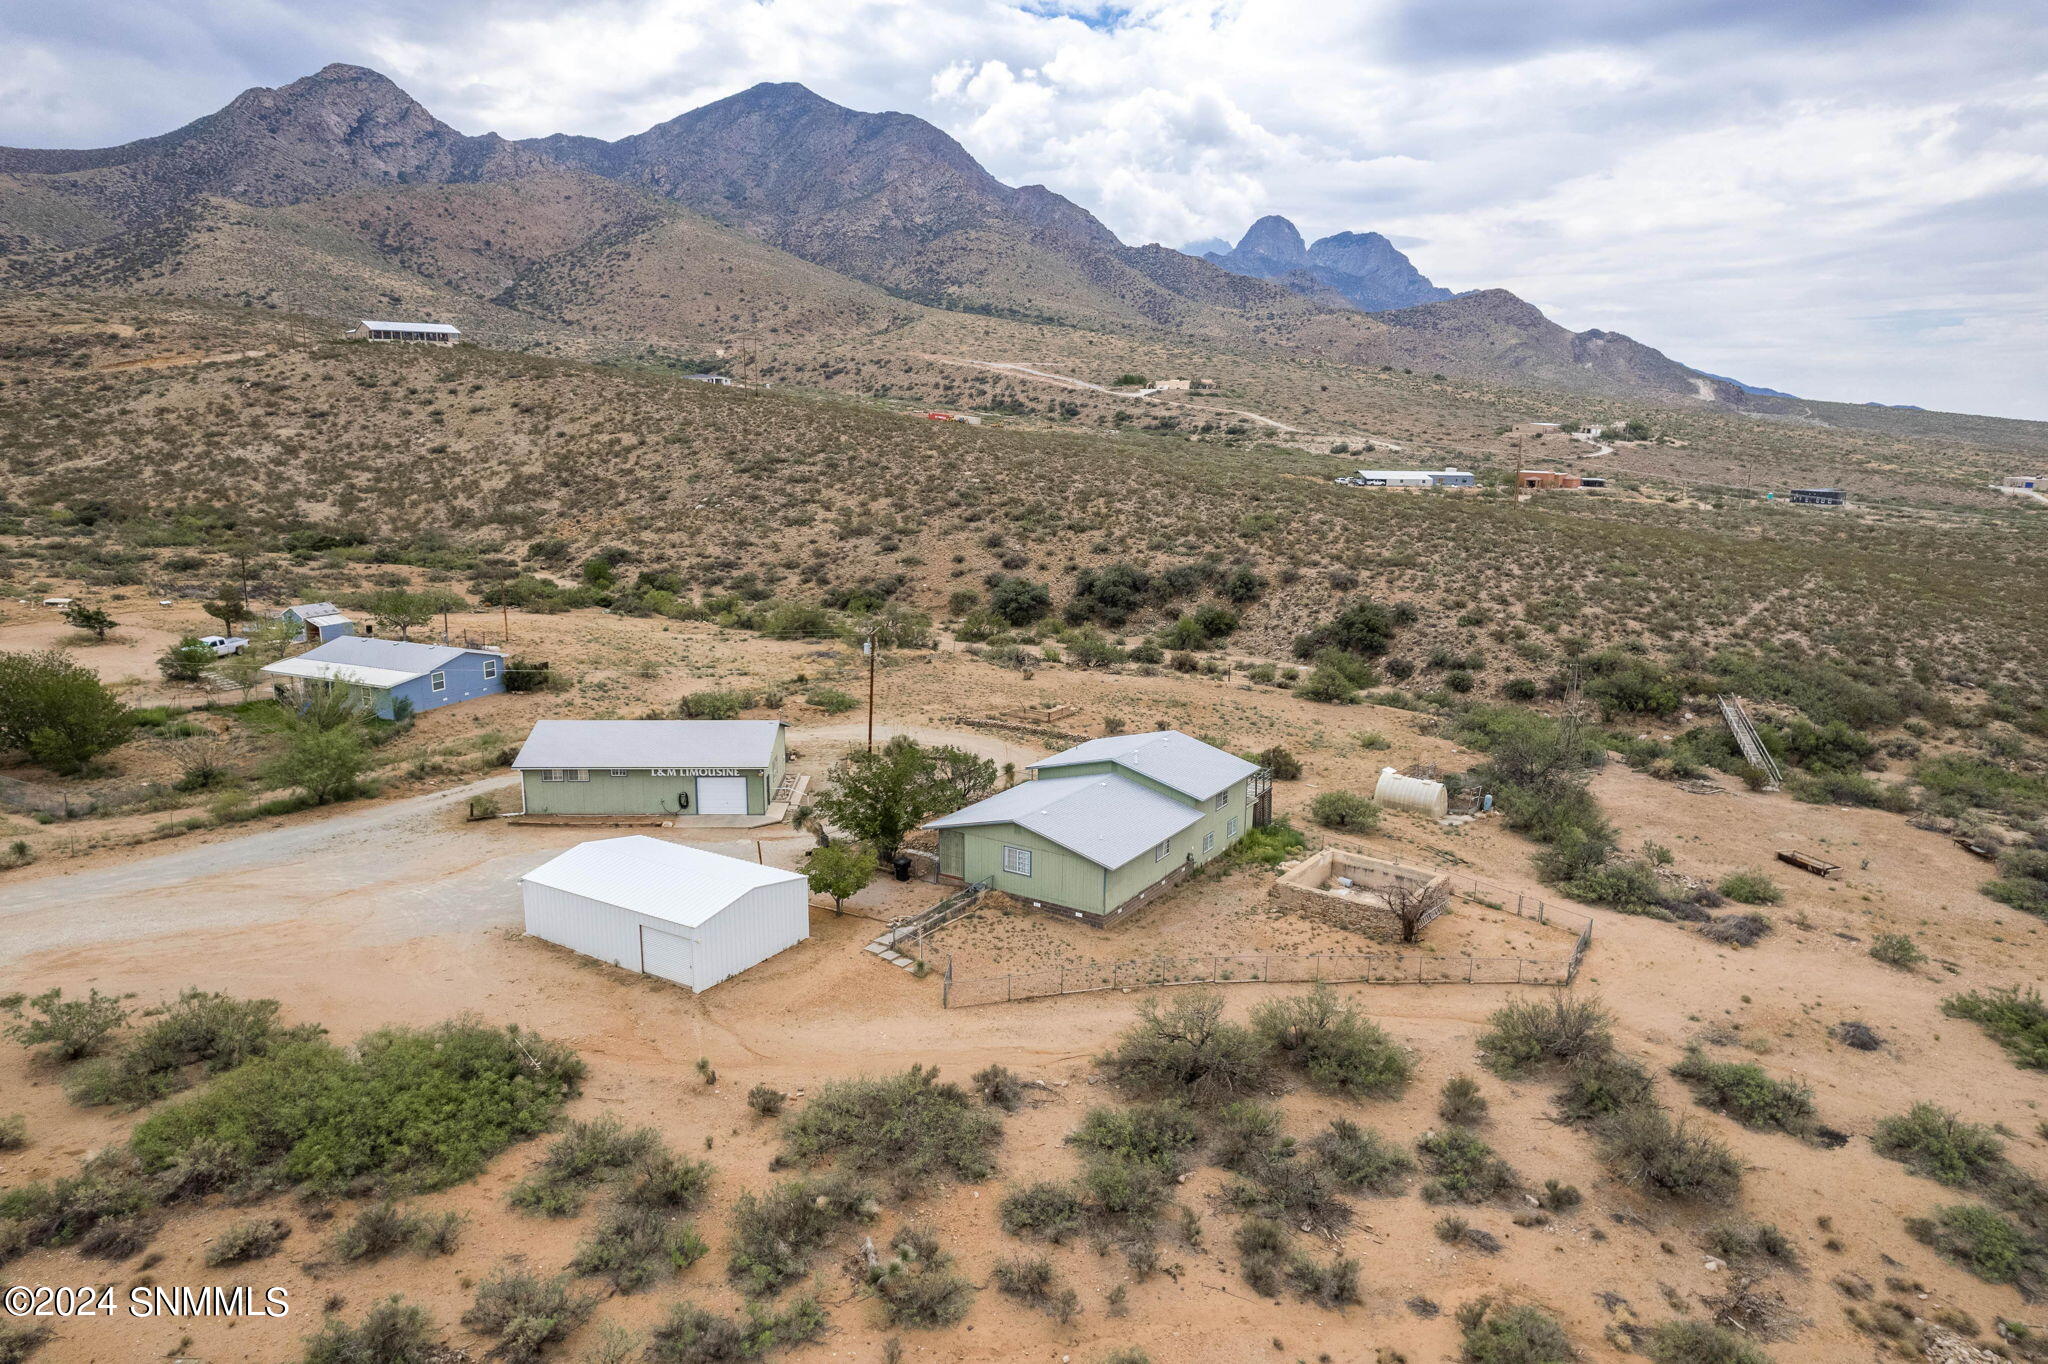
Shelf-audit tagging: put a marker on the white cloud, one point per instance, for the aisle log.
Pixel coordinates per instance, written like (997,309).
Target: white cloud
(1785,190)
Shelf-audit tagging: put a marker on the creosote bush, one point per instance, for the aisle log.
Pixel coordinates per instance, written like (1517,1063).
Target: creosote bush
(1360,1159)
(1743,1091)
(584,1156)
(1186,1049)
(383,1228)
(246,1241)
(1333,1044)
(693,1335)
(775,1234)
(1032,1279)
(392,1332)
(527,1315)
(1897,950)
(1464,1169)
(1700,1342)
(1502,1333)
(910,1128)
(2015,1018)
(634,1247)
(1988,1244)
(1649,1151)
(1533,1034)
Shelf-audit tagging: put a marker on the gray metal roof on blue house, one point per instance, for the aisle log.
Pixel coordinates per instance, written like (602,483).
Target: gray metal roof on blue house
(379,659)
(637,744)
(1167,756)
(1107,819)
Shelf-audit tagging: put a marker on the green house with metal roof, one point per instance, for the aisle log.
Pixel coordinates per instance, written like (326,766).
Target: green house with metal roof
(1108,825)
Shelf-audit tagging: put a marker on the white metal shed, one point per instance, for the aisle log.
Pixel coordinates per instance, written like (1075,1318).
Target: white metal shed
(666,909)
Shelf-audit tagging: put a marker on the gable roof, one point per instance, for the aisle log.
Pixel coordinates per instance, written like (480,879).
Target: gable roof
(371,662)
(307,610)
(649,743)
(1107,819)
(651,876)
(1173,759)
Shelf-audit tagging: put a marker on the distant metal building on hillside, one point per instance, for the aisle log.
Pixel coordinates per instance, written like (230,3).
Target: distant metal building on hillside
(427,333)
(1819,497)
(710,378)
(1411,478)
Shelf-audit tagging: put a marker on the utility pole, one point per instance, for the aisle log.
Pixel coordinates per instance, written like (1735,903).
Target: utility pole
(868,647)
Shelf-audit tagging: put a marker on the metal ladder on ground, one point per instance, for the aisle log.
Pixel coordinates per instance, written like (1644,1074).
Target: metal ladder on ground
(1750,742)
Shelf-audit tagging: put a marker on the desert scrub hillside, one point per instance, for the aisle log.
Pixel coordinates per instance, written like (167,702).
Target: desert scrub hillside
(133,459)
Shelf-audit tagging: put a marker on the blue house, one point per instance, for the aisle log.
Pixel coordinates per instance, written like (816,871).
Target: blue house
(318,621)
(428,676)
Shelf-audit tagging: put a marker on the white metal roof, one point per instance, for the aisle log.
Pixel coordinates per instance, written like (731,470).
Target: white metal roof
(307,666)
(1107,819)
(649,743)
(336,619)
(662,880)
(439,327)
(1167,756)
(371,662)
(306,610)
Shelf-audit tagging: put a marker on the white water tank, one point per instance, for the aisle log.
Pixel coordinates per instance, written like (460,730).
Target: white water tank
(1397,792)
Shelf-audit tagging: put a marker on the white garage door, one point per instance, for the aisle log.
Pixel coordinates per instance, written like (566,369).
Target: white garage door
(667,955)
(721,795)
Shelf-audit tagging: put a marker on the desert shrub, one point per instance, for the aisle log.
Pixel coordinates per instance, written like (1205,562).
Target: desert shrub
(692,1335)
(830,700)
(1345,810)
(1957,782)
(68,1029)
(422,1108)
(246,1241)
(2014,1018)
(108,1208)
(1302,1193)
(1269,845)
(632,1247)
(587,1154)
(17,1343)
(1737,930)
(210,1032)
(1699,1342)
(1897,950)
(1761,1241)
(1186,1049)
(1941,1146)
(392,1332)
(1534,1034)
(662,1180)
(999,1087)
(918,1289)
(1558,1196)
(1861,1036)
(909,1127)
(765,1100)
(1360,1159)
(1743,1091)
(1122,1196)
(1750,888)
(1279,761)
(775,1234)
(2022,880)
(1499,1333)
(1647,1150)
(1461,1101)
(527,1315)
(714,705)
(1333,1044)
(13,1132)
(383,1228)
(1158,1134)
(1243,1132)
(1363,627)
(1597,1085)
(1045,1210)
(1033,1280)
(1262,1246)
(1330,1283)
(1988,1244)
(1464,1169)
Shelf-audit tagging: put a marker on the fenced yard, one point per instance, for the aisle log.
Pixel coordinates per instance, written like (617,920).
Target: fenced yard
(1390,967)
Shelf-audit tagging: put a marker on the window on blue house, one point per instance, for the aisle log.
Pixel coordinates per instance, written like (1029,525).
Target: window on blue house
(490,668)
(439,681)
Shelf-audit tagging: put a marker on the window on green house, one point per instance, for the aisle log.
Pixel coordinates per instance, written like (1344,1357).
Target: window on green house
(1016,861)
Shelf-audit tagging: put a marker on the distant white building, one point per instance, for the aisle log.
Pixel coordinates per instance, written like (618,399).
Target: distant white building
(1411,478)
(429,333)
(709,378)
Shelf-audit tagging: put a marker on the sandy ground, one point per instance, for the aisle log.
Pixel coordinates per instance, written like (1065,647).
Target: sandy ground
(399,911)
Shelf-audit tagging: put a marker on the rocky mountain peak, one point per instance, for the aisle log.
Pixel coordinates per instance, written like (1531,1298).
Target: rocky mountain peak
(1276,239)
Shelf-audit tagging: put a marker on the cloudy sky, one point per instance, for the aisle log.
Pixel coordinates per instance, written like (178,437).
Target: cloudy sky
(1843,198)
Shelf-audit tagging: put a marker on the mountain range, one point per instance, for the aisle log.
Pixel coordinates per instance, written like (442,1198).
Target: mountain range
(773,218)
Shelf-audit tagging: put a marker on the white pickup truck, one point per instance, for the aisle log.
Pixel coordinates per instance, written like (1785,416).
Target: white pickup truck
(224,645)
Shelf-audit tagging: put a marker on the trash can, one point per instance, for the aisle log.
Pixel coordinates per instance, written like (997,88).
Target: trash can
(902,867)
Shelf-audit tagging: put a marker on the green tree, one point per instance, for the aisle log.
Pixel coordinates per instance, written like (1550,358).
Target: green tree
(79,616)
(1363,627)
(841,870)
(228,608)
(58,712)
(185,661)
(326,745)
(881,796)
(400,610)
(1019,600)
